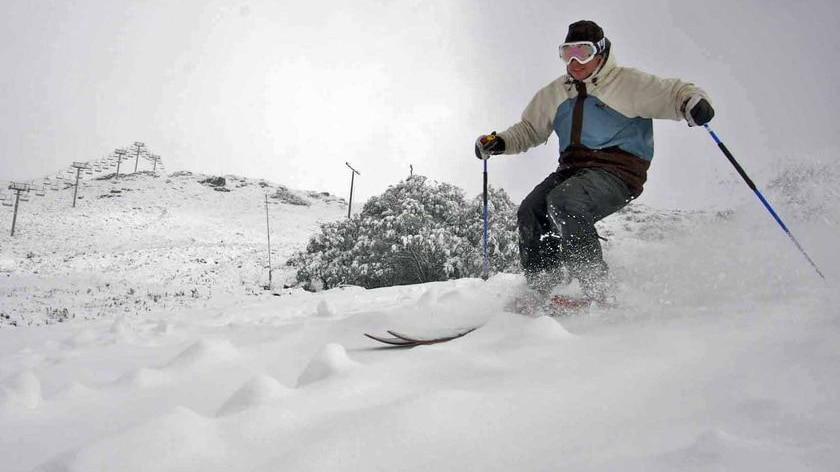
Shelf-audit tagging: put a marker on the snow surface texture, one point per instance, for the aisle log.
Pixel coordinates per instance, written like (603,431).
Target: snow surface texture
(722,355)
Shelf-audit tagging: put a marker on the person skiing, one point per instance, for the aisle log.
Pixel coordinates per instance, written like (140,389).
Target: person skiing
(602,114)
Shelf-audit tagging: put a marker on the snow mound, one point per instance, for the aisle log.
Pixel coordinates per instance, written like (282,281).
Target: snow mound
(325,310)
(332,360)
(455,298)
(258,391)
(22,389)
(546,328)
(510,329)
(180,440)
(428,298)
(75,392)
(144,378)
(203,354)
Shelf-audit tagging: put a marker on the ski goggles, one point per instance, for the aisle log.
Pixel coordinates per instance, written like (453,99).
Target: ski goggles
(581,51)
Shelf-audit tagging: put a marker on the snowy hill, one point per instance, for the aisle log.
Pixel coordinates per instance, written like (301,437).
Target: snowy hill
(144,242)
(722,352)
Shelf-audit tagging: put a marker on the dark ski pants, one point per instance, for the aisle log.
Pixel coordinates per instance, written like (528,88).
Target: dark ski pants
(557,221)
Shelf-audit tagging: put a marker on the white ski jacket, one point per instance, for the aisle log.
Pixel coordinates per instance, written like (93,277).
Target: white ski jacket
(610,126)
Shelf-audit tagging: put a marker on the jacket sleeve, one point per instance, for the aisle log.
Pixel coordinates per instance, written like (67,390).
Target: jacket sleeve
(654,97)
(537,121)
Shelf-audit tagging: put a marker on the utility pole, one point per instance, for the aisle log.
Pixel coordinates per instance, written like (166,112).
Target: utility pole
(120,153)
(411,171)
(352,181)
(78,166)
(268,235)
(18,188)
(137,148)
(155,159)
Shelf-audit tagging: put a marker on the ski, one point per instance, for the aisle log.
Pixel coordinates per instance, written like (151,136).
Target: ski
(404,340)
(441,339)
(396,342)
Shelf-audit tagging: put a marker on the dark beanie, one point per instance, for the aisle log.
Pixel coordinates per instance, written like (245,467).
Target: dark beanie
(584,30)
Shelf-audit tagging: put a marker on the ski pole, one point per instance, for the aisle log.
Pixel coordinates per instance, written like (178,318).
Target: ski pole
(760,196)
(484,273)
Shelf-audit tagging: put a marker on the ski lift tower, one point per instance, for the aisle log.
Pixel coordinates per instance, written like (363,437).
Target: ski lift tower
(18,188)
(120,154)
(138,148)
(155,159)
(78,166)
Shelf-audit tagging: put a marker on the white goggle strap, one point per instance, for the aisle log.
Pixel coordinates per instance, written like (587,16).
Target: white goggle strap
(601,45)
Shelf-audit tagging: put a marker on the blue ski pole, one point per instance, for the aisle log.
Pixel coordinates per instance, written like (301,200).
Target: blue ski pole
(486,269)
(760,196)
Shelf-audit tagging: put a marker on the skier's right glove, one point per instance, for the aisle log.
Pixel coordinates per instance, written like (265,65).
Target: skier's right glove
(697,111)
(489,145)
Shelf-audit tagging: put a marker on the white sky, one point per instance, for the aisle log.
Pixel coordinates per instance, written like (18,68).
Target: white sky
(289,91)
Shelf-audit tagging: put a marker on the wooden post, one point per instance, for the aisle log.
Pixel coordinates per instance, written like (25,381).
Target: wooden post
(120,153)
(18,188)
(268,235)
(352,181)
(138,147)
(78,166)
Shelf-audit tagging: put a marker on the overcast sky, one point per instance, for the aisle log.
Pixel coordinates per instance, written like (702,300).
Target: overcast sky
(289,91)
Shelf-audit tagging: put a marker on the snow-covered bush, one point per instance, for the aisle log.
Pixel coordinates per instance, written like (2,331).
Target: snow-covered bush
(417,231)
(285,195)
(214,182)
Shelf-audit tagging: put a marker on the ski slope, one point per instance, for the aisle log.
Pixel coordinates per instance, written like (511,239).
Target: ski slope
(146,242)
(722,354)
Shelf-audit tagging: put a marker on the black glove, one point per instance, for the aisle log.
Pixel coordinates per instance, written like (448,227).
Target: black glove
(698,111)
(489,145)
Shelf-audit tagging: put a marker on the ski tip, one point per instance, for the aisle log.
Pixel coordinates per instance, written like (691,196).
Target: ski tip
(433,340)
(404,340)
(394,342)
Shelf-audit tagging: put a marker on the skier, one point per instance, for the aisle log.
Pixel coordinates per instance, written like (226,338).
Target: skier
(602,114)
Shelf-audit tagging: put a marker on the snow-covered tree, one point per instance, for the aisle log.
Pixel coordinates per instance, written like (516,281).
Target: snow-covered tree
(416,231)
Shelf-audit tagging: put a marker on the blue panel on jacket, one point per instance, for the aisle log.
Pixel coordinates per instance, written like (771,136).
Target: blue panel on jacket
(604,127)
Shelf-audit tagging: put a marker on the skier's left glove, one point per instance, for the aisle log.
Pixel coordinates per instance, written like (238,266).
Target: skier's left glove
(697,111)
(489,145)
